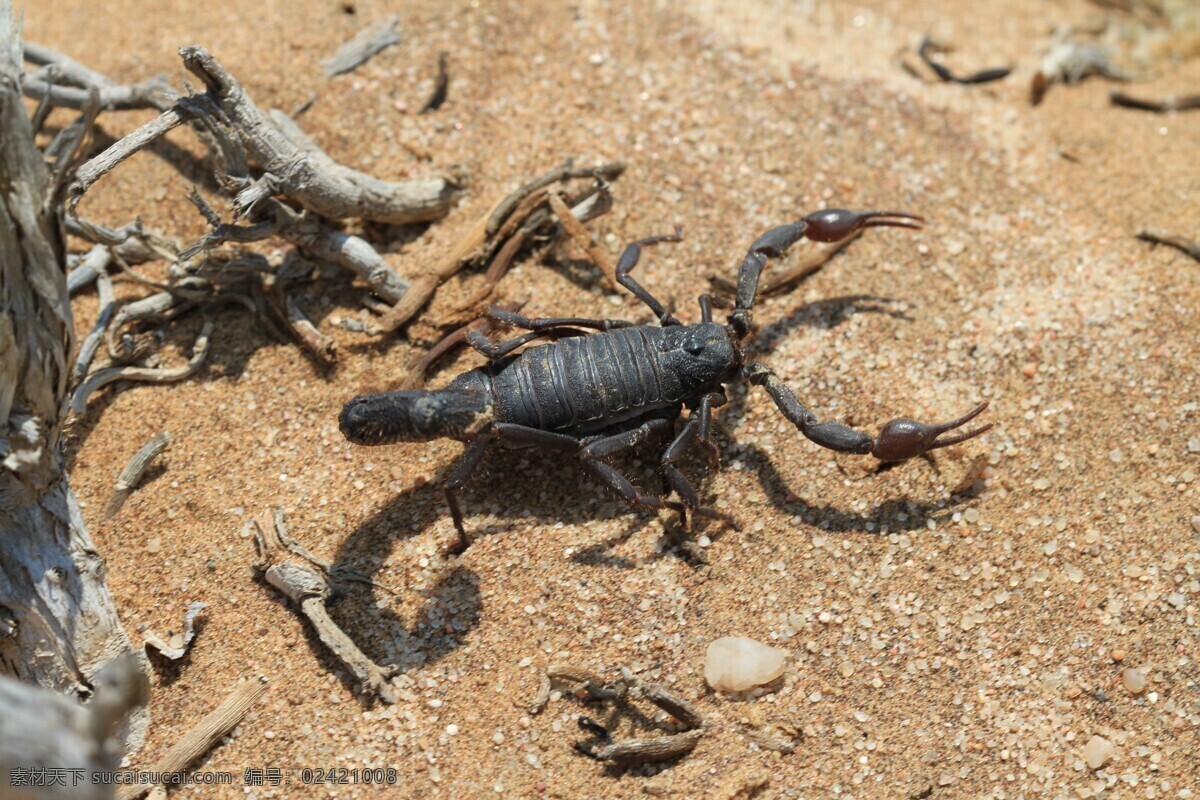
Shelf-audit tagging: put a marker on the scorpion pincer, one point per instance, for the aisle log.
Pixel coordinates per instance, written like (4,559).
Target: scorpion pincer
(604,387)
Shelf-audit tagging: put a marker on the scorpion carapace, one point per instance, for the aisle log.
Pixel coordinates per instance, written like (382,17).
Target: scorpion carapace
(604,387)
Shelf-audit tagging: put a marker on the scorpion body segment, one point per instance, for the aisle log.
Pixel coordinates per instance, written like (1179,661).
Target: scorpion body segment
(580,385)
(604,387)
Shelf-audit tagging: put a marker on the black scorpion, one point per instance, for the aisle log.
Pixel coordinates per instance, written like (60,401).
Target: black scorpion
(606,392)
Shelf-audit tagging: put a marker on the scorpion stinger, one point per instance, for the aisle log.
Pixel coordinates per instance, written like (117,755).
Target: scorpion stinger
(830,225)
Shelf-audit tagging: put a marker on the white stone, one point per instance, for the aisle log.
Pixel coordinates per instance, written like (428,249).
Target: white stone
(1097,752)
(1134,681)
(735,664)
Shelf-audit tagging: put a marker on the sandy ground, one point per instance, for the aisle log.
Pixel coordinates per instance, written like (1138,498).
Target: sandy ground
(956,627)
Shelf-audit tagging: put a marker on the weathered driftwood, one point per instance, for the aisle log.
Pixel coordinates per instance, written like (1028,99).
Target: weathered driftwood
(61,625)
(371,40)
(337,193)
(306,581)
(131,476)
(215,725)
(44,731)
(314,181)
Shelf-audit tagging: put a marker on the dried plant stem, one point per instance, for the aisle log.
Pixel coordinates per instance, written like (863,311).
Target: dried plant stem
(371,40)
(131,476)
(91,343)
(215,725)
(575,229)
(104,377)
(305,580)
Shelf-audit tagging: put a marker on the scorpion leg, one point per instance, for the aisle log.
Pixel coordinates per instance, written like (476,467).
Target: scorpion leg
(900,439)
(679,482)
(591,454)
(458,476)
(704,435)
(629,260)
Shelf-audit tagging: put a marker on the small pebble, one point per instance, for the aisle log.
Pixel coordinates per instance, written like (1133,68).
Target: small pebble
(1134,681)
(1097,752)
(1118,655)
(735,664)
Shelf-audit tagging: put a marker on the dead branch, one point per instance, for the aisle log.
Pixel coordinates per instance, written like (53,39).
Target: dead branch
(608,172)
(91,343)
(928,47)
(315,181)
(337,193)
(306,581)
(515,215)
(371,40)
(131,476)
(59,621)
(103,377)
(72,82)
(215,725)
(145,135)
(630,752)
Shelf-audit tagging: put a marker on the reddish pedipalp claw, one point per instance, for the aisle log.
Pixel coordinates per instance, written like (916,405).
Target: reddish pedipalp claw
(835,224)
(901,439)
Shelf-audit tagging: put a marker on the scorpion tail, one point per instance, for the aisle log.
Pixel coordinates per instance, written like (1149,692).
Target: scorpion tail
(414,416)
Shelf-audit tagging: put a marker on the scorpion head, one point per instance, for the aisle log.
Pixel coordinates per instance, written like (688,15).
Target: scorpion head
(413,416)
(705,353)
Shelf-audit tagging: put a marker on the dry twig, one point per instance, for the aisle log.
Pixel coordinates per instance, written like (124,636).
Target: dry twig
(215,725)
(928,47)
(132,475)
(371,40)
(502,232)
(306,581)
(104,377)
(178,646)
(630,752)
(441,86)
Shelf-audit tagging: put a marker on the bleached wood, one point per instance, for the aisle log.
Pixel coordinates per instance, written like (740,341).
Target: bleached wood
(60,624)
(47,731)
